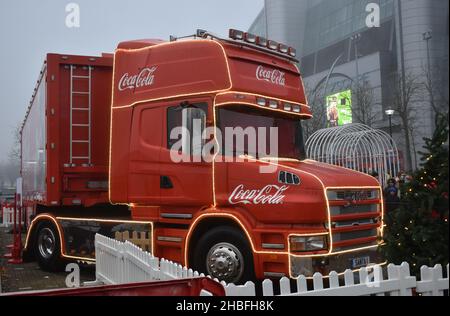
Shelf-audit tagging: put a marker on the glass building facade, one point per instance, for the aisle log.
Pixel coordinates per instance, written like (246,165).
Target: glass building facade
(328,27)
(332,21)
(337,48)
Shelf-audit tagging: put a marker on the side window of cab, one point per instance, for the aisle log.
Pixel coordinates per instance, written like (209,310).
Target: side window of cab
(189,118)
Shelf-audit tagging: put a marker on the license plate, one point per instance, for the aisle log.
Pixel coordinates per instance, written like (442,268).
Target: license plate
(360,262)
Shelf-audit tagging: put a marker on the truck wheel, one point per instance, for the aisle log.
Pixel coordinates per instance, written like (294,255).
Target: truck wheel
(225,254)
(48,248)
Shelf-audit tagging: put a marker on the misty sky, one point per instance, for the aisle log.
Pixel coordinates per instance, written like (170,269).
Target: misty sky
(29,29)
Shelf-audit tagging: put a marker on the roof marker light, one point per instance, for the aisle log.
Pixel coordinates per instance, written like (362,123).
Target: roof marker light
(261,101)
(283,48)
(261,41)
(250,38)
(292,52)
(287,107)
(236,34)
(296,109)
(273,104)
(272,45)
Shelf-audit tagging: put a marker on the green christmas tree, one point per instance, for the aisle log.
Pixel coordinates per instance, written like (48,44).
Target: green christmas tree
(418,232)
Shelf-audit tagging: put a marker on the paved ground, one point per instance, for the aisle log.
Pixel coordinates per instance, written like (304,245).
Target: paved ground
(28,276)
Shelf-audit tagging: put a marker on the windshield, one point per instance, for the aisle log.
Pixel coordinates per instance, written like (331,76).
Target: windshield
(289,140)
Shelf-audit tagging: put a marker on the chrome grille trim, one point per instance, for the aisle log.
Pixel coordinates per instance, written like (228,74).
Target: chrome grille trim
(359,195)
(356,222)
(357,204)
(354,209)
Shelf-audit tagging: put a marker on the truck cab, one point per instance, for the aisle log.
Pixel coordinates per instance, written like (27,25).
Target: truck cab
(238,200)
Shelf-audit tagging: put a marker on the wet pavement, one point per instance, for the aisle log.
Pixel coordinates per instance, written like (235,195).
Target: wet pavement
(28,276)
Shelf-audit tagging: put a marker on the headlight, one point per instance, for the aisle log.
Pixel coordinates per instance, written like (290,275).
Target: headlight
(308,243)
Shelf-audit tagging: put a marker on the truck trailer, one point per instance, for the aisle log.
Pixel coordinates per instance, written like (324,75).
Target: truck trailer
(97,157)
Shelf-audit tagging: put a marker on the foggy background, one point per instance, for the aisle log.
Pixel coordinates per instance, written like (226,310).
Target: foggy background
(29,29)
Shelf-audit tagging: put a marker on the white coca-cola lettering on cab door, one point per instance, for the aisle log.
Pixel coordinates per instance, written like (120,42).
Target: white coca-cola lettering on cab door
(271,75)
(270,194)
(145,78)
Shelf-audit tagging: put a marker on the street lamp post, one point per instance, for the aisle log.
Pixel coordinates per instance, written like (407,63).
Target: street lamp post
(355,39)
(330,73)
(266,17)
(390,113)
(427,36)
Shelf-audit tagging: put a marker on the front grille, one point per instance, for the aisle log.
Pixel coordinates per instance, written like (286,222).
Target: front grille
(354,235)
(355,217)
(353,194)
(353,209)
(354,223)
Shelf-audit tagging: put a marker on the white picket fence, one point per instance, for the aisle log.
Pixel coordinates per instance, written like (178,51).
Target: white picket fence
(7,217)
(122,262)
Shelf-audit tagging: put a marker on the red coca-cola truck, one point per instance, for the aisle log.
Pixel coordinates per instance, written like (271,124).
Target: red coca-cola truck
(98,157)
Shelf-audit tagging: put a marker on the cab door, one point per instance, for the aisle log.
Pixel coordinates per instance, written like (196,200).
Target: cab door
(185,184)
(145,150)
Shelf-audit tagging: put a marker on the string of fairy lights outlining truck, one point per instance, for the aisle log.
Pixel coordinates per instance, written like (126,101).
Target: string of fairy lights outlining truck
(96,158)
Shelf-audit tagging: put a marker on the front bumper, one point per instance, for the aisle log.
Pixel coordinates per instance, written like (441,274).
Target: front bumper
(340,262)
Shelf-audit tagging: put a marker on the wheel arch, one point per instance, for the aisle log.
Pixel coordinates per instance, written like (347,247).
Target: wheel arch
(207,222)
(32,231)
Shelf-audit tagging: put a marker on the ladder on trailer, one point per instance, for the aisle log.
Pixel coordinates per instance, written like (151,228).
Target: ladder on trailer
(80,102)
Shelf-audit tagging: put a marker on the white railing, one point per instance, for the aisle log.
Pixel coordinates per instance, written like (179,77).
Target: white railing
(122,262)
(7,216)
(432,281)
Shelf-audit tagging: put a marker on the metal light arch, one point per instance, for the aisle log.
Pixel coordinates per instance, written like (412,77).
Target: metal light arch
(358,147)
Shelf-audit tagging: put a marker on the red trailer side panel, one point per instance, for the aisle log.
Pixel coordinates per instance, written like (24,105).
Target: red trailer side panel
(65,137)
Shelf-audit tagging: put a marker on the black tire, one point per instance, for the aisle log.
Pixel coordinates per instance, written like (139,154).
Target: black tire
(214,239)
(47,248)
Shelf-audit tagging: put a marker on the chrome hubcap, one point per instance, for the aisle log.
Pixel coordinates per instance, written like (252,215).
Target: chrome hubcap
(46,243)
(225,262)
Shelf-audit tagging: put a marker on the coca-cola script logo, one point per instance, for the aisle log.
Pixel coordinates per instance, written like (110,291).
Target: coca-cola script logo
(145,78)
(270,194)
(271,75)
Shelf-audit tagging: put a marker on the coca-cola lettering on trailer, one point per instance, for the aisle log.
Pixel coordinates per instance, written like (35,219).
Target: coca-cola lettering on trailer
(273,76)
(145,78)
(270,194)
